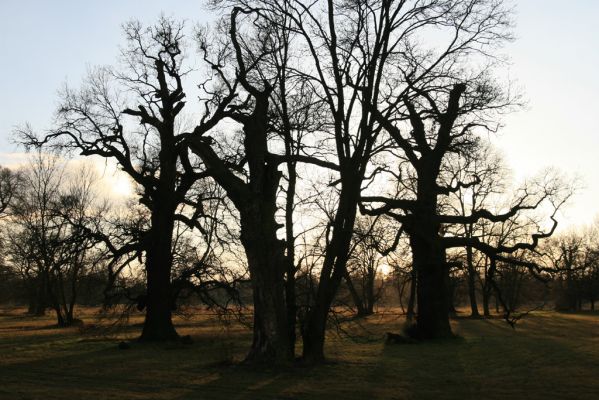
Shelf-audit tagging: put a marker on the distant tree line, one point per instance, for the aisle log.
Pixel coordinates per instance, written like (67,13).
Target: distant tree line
(295,158)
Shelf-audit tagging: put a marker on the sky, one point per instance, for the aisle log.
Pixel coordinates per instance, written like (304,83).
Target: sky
(554,59)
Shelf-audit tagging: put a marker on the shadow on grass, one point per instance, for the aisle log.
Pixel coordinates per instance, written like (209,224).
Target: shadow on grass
(489,360)
(495,361)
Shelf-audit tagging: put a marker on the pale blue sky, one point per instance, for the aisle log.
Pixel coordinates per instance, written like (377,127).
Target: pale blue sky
(555,60)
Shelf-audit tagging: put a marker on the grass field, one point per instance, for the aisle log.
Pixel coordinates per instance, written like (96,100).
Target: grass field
(549,356)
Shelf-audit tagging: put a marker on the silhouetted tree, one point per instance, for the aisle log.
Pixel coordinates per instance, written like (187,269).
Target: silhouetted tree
(251,177)
(131,116)
(485,168)
(45,242)
(574,259)
(437,112)
(354,50)
(9,185)
(364,278)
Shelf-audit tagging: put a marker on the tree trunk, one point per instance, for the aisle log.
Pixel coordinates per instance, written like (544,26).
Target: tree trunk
(412,299)
(158,324)
(361,310)
(486,298)
(497,310)
(333,270)
(60,319)
(432,320)
(290,294)
(291,302)
(313,336)
(369,295)
(451,288)
(471,283)
(39,299)
(487,288)
(256,201)
(266,261)
(37,302)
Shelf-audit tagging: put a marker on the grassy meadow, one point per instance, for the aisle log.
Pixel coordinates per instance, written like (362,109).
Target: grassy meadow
(548,356)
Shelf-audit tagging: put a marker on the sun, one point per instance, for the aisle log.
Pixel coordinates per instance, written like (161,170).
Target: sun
(120,186)
(385,269)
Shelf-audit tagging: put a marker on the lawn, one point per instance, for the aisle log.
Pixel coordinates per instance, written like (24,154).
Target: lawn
(548,356)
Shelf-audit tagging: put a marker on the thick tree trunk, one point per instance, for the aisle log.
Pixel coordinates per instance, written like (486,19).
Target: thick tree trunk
(471,283)
(313,336)
(432,271)
(60,319)
(432,320)
(158,324)
(256,201)
(266,261)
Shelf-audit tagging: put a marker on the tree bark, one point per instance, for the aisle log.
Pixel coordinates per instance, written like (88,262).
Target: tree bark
(432,271)
(432,320)
(266,261)
(159,302)
(256,201)
(158,324)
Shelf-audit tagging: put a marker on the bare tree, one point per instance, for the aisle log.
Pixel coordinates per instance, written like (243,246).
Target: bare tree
(364,275)
(485,167)
(354,50)
(131,116)
(9,185)
(250,175)
(573,258)
(437,112)
(50,251)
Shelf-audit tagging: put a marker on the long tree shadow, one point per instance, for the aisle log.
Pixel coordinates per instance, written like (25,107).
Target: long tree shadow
(492,361)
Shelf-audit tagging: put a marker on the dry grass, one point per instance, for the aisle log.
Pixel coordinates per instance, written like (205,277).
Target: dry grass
(549,356)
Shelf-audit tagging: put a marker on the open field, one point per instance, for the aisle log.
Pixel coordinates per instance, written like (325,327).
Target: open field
(549,356)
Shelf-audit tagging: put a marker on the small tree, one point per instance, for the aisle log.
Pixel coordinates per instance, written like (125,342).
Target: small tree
(46,244)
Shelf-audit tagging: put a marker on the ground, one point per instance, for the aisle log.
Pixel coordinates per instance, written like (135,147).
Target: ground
(548,356)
